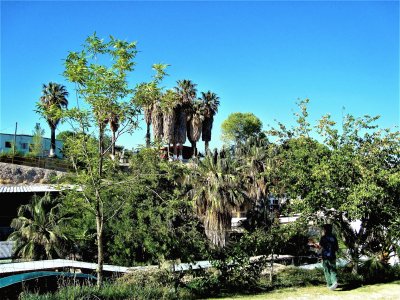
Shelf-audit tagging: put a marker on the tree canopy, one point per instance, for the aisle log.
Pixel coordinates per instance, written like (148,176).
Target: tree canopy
(240,126)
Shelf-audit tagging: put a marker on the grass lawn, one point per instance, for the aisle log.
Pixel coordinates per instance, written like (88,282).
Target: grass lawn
(386,291)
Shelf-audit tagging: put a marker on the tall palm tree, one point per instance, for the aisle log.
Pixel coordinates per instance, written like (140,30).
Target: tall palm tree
(168,103)
(186,91)
(37,229)
(194,125)
(157,121)
(211,103)
(53,100)
(145,96)
(216,189)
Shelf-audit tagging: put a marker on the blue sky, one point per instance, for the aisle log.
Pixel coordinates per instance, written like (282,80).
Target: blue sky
(259,57)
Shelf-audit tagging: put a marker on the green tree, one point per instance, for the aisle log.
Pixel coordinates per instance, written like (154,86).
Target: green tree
(104,89)
(195,124)
(156,222)
(52,102)
(186,92)
(216,188)
(169,101)
(240,126)
(37,141)
(37,229)
(147,97)
(210,106)
(346,177)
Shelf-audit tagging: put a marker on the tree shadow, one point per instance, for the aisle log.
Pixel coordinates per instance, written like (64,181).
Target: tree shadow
(348,287)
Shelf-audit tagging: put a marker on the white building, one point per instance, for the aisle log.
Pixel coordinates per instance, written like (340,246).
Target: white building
(24,144)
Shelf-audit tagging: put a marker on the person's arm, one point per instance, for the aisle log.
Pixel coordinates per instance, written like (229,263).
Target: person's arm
(314,244)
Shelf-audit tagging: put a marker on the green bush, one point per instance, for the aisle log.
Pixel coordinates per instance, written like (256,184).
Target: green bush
(293,276)
(375,271)
(113,291)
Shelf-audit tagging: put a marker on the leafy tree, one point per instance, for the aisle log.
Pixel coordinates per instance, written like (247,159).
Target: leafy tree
(240,126)
(210,106)
(104,90)
(347,178)
(37,141)
(37,229)
(53,100)
(156,222)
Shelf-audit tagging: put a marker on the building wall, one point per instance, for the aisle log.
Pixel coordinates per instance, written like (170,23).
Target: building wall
(24,142)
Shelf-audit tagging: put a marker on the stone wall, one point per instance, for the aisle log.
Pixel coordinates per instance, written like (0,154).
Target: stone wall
(12,174)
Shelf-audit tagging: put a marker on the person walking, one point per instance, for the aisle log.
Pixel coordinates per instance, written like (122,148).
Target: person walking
(329,246)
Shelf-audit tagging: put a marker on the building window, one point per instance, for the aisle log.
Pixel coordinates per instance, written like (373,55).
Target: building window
(8,145)
(24,146)
(31,147)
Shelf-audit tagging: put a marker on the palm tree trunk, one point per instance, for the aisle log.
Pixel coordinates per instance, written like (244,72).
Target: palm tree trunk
(175,151)
(52,142)
(206,146)
(194,149)
(148,136)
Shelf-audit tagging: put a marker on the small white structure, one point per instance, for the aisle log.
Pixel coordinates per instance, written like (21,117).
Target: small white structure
(24,144)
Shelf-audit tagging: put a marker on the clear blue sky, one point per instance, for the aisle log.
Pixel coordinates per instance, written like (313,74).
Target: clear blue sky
(258,57)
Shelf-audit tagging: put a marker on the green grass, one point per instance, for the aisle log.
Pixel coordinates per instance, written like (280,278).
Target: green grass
(384,291)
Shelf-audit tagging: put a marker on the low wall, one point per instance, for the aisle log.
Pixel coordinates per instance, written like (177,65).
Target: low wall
(12,174)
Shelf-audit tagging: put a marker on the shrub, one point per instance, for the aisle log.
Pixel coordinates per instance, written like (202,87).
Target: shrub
(293,276)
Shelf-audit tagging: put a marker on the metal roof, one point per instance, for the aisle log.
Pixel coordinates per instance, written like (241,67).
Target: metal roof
(27,188)
(55,264)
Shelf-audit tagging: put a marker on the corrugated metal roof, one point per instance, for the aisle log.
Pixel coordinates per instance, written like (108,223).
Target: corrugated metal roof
(27,188)
(55,264)
(35,188)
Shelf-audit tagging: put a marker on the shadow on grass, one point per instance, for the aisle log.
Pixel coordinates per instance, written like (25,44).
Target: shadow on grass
(348,287)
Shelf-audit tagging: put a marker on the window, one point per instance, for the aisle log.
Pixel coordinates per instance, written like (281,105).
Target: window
(24,146)
(8,145)
(31,147)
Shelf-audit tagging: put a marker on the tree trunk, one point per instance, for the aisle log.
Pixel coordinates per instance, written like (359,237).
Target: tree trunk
(206,147)
(354,257)
(148,136)
(113,144)
(194,149)
(100,253)
(101,149)
(52,142)
(175,151)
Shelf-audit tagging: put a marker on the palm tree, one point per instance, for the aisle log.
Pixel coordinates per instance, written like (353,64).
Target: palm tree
(53,100)
(186,91)
(37,229)
(157,121)
(168,103)
(145,96)
(216,189)
(194,125)
(211,103)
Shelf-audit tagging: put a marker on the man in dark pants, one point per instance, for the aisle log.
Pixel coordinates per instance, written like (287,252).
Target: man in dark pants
(329,246)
